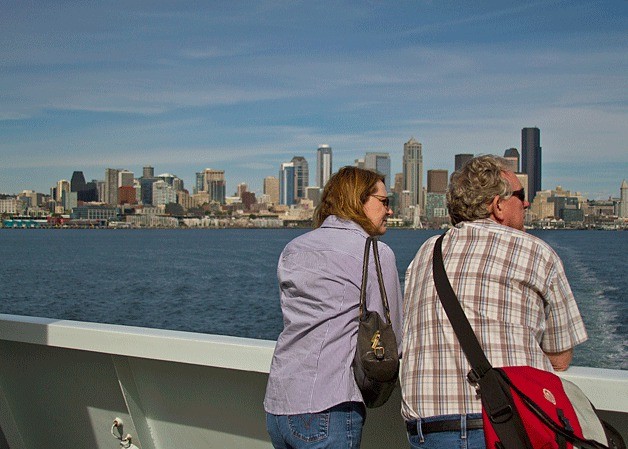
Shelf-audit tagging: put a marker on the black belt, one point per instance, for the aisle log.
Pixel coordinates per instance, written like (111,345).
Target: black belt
(443,426)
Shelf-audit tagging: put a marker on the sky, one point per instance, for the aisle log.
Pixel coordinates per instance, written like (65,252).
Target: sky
(243,86)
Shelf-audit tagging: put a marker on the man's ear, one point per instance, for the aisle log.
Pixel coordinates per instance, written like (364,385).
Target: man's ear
(496,209)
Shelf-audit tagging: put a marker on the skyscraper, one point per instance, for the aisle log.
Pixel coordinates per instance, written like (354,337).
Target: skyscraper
(215,185)
(437,181)
(62,186)
(413,171)
(323,165)
(148,172)
(286,184)
(461,159)
(380,162)
(111,186)
(512,156)
(271,188)
(77,182)
(623,206)
(125,178)
(301,175)
(531,159)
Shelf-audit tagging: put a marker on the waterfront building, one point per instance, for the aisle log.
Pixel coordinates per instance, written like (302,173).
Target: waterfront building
(623,205)
(301,176)
(531,159)
(127,195)
(436,208)
(557,204)
(163,193)
(148,172)
(199,182)
(313,194)
(437,181)
(523,179)
(185,199)
(93,212)
(69,200)
(413,171)
(62,186)
(10,206)
(137,186)
(405,203)
(215,185)
(271,188)
(146,190)
(241,188)
(77,183)
(380,162)
(323,165)
(125,178)
(396,193)
(461,159)
(286,184)
(200,198)
(512,156)
(31,198)
(100,188)
(111,186)
(248,199)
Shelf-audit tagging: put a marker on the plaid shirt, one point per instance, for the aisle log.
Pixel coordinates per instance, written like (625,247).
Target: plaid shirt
(513,289)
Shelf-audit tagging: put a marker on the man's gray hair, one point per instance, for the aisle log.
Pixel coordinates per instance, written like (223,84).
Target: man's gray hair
(473,187)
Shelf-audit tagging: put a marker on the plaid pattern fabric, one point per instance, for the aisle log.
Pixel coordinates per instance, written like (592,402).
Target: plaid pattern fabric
(514,291)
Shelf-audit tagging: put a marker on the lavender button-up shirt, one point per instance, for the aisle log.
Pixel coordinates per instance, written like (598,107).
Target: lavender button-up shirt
(319,278)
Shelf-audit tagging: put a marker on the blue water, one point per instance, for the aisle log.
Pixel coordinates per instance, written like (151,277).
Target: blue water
(224,281)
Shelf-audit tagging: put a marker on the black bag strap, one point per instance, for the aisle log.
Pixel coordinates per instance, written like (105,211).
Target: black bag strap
(497,401)
(380,279)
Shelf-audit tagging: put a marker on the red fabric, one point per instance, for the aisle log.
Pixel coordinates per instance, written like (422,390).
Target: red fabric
(546,390)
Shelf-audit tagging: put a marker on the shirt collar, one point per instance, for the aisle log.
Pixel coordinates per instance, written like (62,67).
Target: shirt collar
(340,223)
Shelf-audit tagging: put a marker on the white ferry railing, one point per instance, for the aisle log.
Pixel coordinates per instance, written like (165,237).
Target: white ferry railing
(62,384)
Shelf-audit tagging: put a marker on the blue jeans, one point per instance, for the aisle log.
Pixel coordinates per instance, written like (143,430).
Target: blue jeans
(338,427)
(461,439)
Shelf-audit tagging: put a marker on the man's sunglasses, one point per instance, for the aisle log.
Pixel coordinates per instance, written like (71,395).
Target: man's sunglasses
(384,199)
(521,194)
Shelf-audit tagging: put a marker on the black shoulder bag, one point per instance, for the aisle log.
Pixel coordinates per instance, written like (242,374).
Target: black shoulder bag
(523,407)
(376,360)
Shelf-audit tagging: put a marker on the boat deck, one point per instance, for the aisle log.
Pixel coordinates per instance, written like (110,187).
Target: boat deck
(63,383)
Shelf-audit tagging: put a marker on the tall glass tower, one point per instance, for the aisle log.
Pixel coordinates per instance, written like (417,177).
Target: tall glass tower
(301,175)
(413,171)
(286,184)
(380,162)
(323,165)
(531,159)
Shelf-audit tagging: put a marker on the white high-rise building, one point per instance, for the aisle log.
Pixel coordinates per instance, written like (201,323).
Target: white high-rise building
(413,171)
(623,206)
(323,165)
(62,186)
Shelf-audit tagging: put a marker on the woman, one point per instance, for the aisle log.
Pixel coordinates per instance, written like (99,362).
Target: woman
(312,399)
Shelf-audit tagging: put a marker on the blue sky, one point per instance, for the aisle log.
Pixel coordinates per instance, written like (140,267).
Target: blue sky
(243,86)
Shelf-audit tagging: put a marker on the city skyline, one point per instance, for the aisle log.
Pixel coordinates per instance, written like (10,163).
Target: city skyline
(242,88)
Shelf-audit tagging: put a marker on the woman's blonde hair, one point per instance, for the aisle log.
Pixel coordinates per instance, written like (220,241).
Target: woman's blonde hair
(344,196)
(473,187)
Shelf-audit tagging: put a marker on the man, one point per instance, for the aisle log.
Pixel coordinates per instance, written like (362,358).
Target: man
(513,289)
